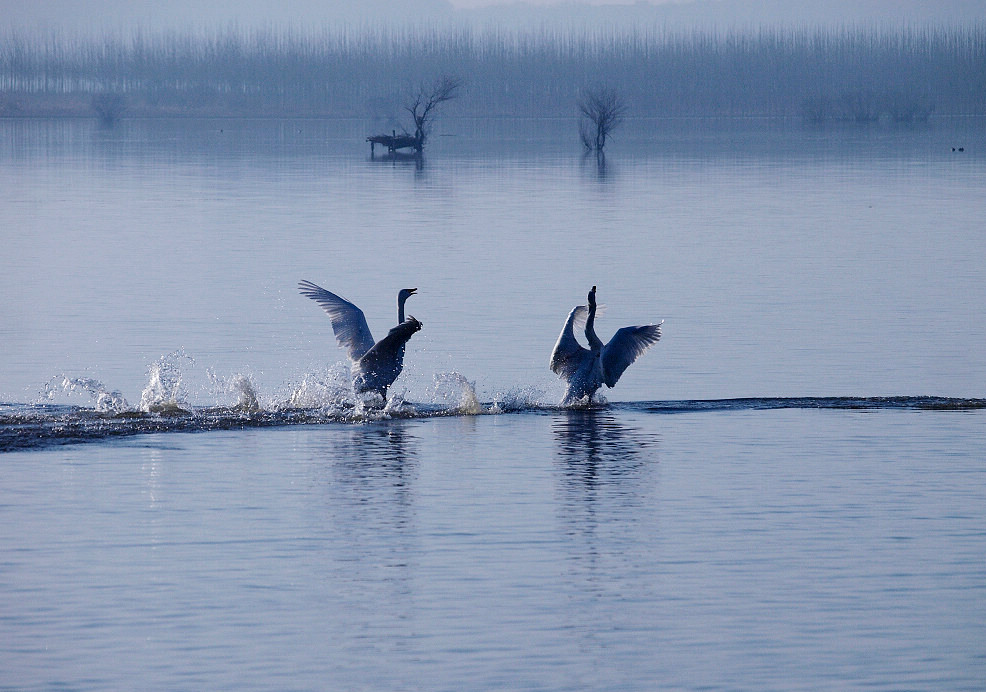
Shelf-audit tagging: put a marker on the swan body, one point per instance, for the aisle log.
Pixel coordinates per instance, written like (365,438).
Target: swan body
(587,369)
(375,365)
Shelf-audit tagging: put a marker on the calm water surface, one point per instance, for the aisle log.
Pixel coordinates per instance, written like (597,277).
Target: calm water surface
(775,539)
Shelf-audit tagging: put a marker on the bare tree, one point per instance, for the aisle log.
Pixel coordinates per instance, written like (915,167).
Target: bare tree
(602,111)
(109,107)
(422,106)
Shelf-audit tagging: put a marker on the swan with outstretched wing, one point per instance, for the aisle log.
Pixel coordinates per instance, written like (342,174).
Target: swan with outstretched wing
(587,369)
(375,365)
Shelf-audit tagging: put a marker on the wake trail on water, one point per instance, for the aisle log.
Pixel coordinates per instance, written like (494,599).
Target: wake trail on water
(921,403)
(319,398)
(36,426)
(328,398)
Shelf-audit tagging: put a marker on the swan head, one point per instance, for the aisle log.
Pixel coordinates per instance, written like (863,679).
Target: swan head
(404,294)
(592,296)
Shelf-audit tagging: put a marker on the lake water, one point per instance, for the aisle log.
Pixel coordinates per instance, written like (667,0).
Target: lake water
(786,492)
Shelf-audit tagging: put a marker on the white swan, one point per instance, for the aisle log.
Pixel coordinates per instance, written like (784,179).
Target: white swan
(375,366)
(588,369)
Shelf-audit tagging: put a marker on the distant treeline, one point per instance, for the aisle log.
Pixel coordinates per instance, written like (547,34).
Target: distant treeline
(853,74)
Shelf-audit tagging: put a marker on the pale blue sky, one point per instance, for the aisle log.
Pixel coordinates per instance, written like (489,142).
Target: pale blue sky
(100,14)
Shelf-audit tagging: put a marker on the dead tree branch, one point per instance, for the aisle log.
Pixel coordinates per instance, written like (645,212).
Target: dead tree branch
(422,105)
(602,110)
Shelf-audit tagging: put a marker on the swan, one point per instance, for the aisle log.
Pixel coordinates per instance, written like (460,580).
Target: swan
(588,369)
(375,366)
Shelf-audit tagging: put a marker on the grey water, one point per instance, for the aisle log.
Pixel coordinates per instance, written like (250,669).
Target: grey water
(786,492)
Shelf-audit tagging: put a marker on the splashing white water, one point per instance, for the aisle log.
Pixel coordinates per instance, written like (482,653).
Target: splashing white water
(246,394)
(518,399)
(398,405)
(164,392)
(457,393)
(104,401)
(330,390)
(329,393)
(240,387)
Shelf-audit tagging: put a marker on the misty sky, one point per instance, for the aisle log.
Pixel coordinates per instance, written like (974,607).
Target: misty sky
(467,4)
(83,15)
(65,12)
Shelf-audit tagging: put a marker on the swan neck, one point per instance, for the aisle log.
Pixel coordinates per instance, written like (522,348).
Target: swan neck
(400,310)
(590,327)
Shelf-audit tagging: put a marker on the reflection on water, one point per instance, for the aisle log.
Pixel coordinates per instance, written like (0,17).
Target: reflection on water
(606,503)
(596,449)
(614,548)
(595,165)
(386,447)
(398,158)
(366,477)
(373,463)
(365,516)
(605,471)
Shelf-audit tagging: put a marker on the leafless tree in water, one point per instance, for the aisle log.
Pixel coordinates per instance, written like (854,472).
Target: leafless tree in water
(109,107)
(602,110)
(422,105)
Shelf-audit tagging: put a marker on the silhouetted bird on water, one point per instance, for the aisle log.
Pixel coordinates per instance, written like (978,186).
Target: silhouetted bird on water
(588,369)
(375,366)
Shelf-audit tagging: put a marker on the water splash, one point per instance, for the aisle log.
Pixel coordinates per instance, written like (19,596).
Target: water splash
(398,404)
(457,394)
(239,386)
(164,392)
(331,390)
(104,400)
(519,399)
(246,394)
(595,400)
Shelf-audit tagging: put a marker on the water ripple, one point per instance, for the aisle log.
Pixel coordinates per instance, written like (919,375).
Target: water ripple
(24,427)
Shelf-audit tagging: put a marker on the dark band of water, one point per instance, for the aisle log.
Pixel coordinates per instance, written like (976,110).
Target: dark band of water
(26,427)
(931,403)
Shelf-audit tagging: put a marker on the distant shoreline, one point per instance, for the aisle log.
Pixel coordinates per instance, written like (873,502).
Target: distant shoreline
(70,110)
(80,106)
(847,76)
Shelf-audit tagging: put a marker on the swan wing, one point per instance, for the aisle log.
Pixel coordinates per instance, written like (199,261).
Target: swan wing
(582,314)
(626,346)
(348,321)
(568,353)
